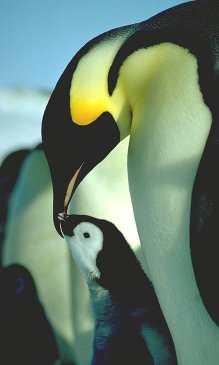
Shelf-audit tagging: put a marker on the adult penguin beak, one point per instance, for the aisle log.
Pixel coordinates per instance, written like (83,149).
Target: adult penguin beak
(72,151)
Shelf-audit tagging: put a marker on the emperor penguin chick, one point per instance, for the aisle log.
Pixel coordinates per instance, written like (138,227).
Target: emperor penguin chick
(129,325)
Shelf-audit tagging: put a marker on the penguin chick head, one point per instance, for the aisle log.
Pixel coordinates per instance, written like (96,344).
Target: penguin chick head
(100,251)
(85,240)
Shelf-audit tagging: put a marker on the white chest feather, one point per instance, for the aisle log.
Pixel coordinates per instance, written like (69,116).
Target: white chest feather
(169,131)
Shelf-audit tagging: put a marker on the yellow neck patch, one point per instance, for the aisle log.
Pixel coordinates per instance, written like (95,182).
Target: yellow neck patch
(85,110)
(89,96)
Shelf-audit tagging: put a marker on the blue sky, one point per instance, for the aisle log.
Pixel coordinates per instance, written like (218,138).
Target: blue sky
(38,38)
(37,41)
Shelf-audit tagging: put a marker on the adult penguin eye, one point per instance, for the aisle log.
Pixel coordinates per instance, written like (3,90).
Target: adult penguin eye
(86,235)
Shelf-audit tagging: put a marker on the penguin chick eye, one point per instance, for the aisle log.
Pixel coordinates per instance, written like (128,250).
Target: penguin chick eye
(86,235)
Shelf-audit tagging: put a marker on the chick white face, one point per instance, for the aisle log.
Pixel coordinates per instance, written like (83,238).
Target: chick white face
(85,244)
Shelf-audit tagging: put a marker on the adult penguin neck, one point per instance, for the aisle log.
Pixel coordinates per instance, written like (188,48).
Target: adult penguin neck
(168,135)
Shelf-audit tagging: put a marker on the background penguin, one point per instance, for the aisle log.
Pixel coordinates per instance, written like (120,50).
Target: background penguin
(9,171)
(130,327)
(25,333)
(44,255)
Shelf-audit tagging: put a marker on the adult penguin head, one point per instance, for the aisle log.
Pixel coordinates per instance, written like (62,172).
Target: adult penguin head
(81,121)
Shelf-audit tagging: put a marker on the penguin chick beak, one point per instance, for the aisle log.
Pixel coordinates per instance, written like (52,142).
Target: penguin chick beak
(68,222)
(62,217)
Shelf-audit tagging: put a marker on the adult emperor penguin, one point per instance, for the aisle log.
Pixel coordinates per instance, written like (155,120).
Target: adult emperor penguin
(129,324)
(157,81)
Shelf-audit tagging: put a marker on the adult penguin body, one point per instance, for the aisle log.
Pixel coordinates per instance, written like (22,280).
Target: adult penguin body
(157,81)
(129,325)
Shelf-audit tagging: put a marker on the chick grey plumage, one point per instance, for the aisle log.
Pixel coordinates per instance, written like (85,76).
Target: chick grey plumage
(130,327)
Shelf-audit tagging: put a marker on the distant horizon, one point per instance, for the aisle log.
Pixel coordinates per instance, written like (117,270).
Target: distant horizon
(21,112)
